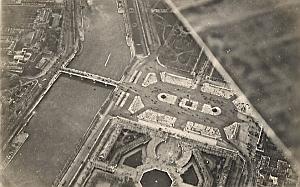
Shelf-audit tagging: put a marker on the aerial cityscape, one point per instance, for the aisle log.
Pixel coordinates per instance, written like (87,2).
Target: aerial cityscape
(150,93)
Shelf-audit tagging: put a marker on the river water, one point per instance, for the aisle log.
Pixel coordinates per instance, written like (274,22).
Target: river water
(65,113)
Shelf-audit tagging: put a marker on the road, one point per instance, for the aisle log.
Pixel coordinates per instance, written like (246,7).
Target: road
(90,76)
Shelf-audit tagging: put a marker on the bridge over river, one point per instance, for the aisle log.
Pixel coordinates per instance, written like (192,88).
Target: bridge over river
(90,76)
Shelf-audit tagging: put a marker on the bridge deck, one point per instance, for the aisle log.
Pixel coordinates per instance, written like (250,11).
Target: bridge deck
(90,76)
